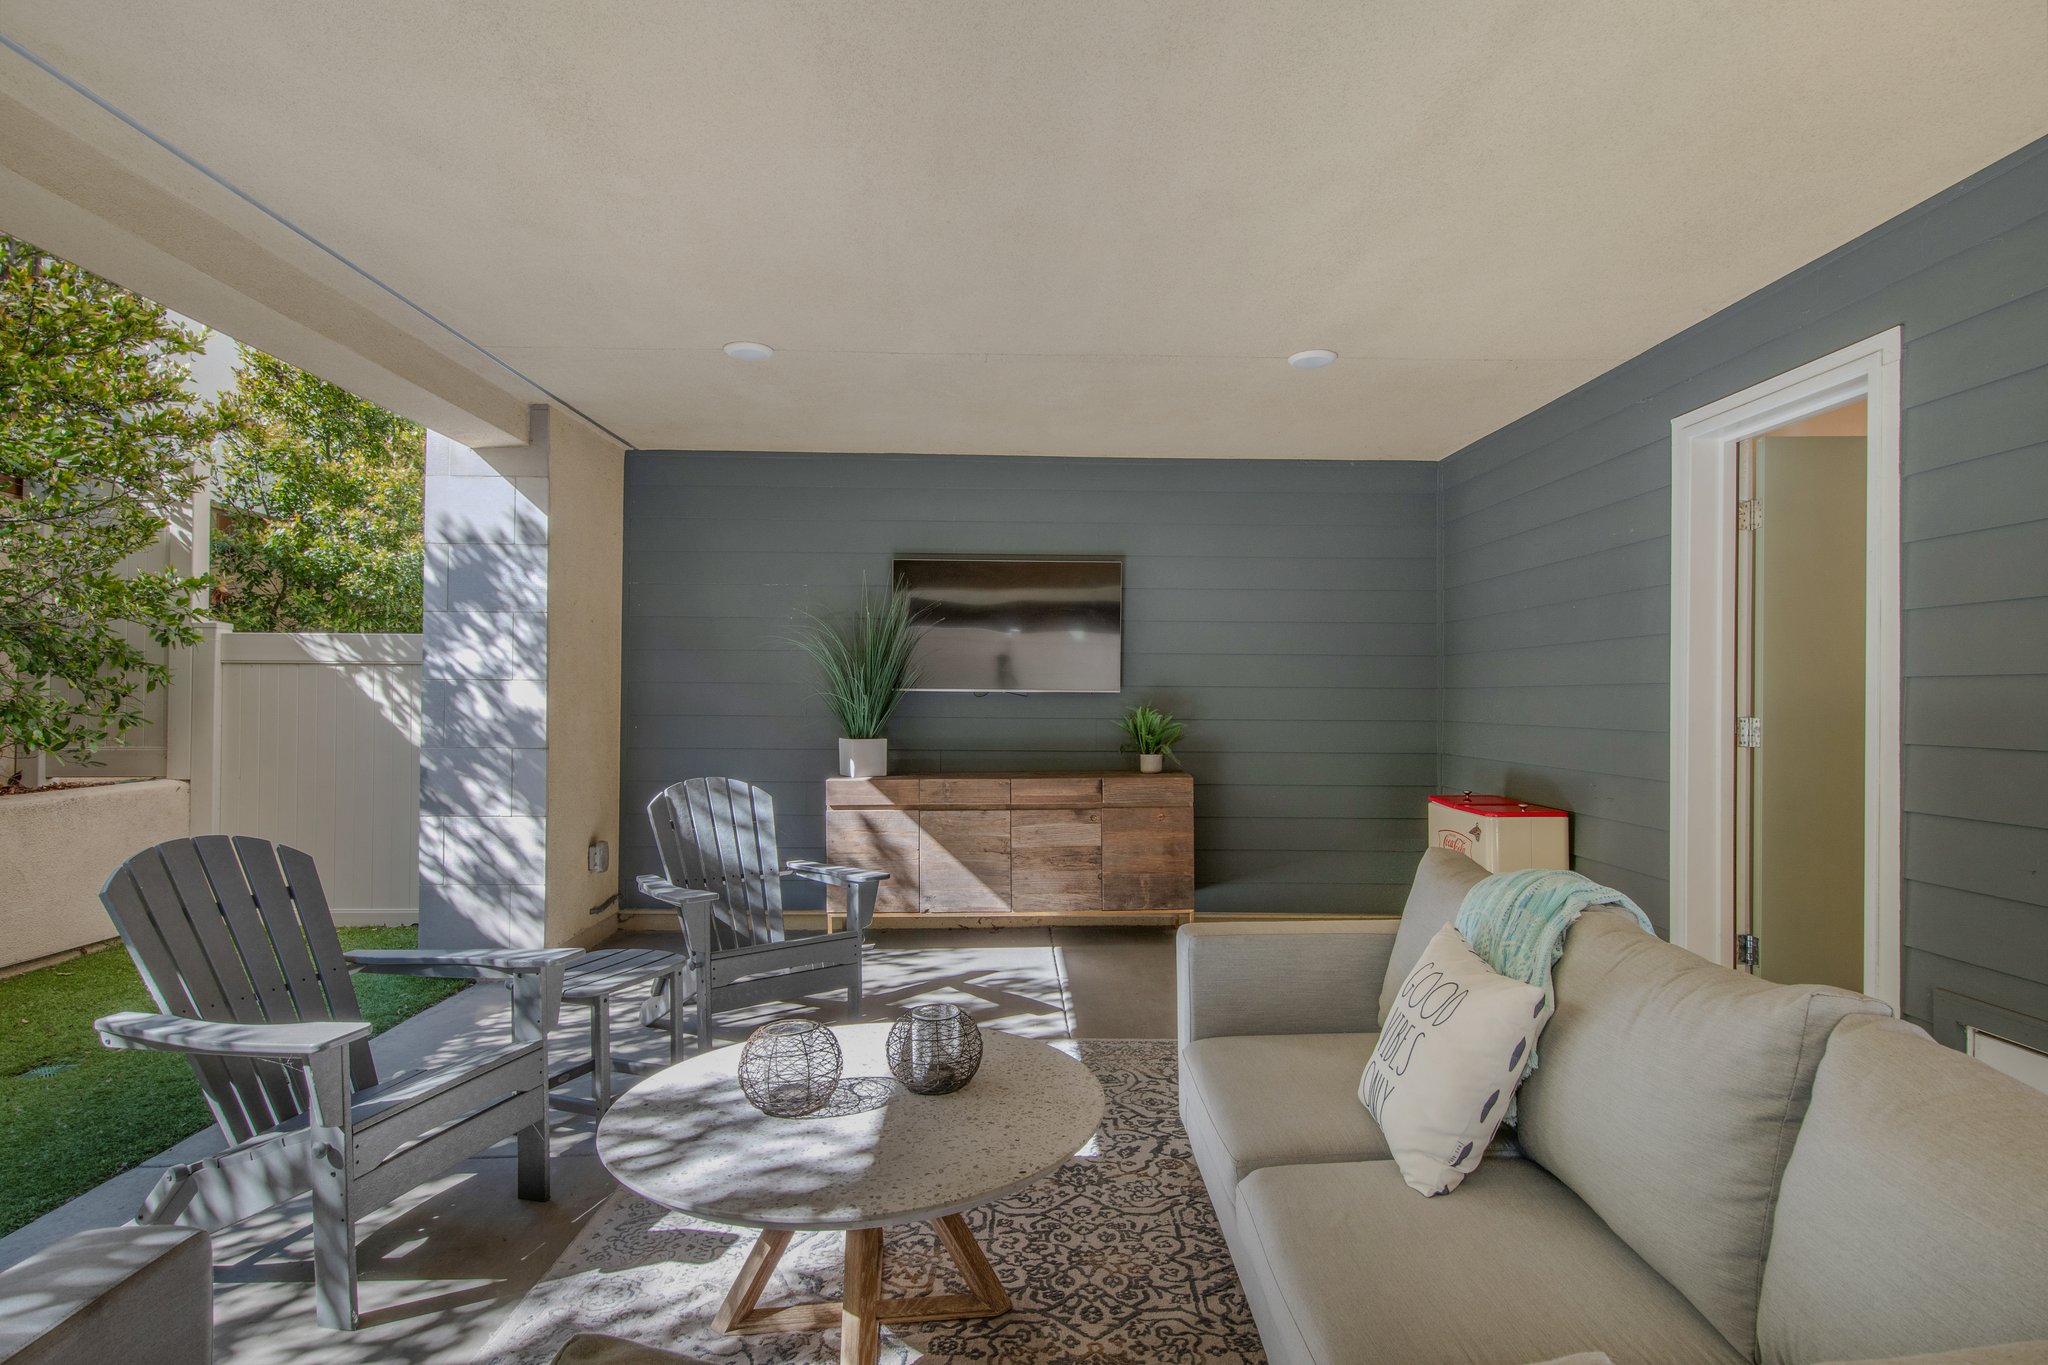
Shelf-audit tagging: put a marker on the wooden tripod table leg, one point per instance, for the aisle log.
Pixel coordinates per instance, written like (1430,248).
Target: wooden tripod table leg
(738,1309)
(861,1313)
(982,1284)
(860,1321)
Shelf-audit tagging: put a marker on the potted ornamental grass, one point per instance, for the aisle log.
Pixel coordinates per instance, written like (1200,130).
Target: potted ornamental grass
(865,664)
(1152,735)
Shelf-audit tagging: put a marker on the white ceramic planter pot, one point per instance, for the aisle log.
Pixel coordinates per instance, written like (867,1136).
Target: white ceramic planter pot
(863,758)
(1151,763)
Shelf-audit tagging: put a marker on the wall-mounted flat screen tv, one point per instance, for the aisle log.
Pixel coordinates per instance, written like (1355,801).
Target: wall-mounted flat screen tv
(1018,625)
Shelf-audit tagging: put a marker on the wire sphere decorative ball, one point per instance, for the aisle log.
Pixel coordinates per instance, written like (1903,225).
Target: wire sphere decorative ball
(790,1068)
(934,1049)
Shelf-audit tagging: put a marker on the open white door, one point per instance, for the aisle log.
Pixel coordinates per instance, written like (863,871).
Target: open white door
(1709,814)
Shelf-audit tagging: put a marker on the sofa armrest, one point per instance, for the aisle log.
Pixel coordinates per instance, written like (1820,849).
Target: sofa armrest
(111,1294)
(1303,976)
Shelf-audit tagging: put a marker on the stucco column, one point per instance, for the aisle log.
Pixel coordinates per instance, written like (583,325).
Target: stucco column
(484,730)
(519,727)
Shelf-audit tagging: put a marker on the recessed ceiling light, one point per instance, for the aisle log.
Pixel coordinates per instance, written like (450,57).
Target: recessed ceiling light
(754,350)
(1306,360)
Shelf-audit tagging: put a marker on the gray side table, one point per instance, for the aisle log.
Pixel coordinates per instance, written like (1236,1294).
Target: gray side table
(593,981)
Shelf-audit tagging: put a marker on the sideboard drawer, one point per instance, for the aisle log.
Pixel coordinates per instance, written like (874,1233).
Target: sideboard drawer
(1056,792)
(848,792)
(967,793)
(1148,789)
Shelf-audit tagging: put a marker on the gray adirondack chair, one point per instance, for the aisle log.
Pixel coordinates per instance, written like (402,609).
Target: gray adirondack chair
(723,871)
(236,943)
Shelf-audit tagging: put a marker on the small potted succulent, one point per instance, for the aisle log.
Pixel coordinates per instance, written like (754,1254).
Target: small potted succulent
(1152,733)
(865,665)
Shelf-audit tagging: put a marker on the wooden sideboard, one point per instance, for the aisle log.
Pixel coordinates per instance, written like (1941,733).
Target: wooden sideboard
(1019,848)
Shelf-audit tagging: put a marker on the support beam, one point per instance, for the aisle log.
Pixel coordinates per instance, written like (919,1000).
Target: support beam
(76,181)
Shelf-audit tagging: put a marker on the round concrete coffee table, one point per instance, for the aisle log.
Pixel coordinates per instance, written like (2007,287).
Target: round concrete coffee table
(686,1138)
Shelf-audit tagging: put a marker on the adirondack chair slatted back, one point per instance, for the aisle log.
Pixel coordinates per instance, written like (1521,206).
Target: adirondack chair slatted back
(717,834)
(237,930)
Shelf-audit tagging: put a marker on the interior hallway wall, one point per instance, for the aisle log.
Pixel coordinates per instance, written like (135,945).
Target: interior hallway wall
(1286,610)
(1556,564)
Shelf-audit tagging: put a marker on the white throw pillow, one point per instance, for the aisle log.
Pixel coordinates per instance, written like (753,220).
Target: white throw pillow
(1454,1047)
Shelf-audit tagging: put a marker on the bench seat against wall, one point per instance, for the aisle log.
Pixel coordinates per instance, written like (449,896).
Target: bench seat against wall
(1669,1097)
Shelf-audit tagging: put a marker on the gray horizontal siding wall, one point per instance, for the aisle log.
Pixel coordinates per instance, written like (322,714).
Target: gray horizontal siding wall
(1556,577)
(1286,610)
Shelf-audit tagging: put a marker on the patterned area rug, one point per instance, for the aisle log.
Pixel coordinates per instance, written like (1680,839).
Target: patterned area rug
(1114,1259)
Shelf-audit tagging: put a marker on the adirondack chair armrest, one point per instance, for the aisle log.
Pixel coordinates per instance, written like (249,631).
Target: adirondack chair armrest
(694,908)
(535,974)
(832,874)
(463,964)
(174,1033)
(668,893)
(860,884)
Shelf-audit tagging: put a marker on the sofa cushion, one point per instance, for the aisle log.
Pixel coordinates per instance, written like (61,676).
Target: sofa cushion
(1913,1208)
(1343,1265)
(1441,880)
(1448,1061)
(1667,1095)
(1275,1099)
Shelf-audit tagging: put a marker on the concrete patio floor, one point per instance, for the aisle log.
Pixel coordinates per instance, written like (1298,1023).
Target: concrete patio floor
(440,1267)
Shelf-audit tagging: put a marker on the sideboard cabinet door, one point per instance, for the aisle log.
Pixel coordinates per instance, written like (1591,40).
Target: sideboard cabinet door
(1148,857)
(963,861)
(1055,860)
(880,840)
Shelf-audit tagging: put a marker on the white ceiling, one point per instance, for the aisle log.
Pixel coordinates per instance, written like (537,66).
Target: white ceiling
(1068,227)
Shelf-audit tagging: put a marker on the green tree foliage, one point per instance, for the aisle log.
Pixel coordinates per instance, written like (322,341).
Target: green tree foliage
(98,437)
(322,497)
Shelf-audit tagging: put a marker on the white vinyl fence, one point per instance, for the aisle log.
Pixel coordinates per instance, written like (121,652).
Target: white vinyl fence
(318,747)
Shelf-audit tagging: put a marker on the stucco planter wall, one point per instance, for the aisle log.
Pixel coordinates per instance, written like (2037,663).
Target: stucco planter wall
(56,849)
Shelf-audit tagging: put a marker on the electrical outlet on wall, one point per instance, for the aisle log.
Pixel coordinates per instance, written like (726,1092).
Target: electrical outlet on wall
(599,858)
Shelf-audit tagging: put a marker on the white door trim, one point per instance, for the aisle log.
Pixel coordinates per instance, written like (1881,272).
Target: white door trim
(1703,639)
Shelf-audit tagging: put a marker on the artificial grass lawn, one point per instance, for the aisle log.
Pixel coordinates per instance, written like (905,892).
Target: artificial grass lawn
(106,1111)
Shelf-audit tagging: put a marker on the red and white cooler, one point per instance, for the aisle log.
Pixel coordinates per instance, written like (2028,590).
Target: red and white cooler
(1500,833)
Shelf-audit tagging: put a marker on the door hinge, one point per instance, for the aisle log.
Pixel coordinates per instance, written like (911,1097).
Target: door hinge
(1749,732)
(1749,515)
(1748,951)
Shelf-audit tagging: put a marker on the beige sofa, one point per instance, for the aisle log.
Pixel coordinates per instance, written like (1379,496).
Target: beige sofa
(1711,1168)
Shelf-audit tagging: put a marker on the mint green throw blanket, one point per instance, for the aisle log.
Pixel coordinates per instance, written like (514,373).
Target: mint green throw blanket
(1517,920)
